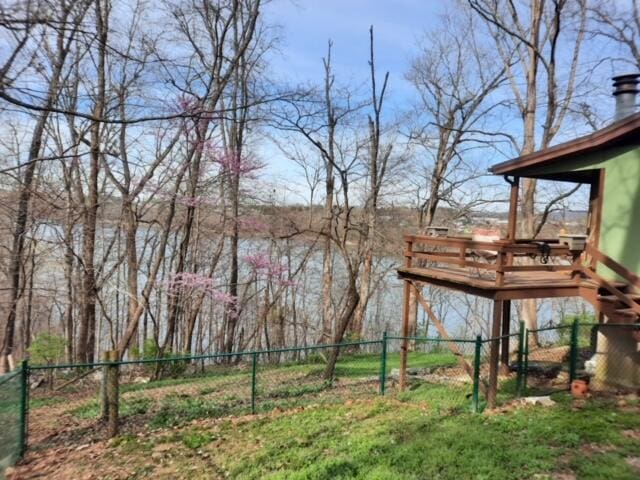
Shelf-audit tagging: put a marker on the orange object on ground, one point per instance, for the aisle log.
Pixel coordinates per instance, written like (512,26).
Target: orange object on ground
(579,388)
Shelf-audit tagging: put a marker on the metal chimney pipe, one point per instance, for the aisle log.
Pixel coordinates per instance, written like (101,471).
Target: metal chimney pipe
(625,89)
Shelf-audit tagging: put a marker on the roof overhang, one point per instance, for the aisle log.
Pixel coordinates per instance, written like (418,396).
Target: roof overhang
(619,134)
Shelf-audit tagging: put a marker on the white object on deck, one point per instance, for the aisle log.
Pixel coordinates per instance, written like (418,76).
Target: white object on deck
(485,235)
(437,231)
(574,242)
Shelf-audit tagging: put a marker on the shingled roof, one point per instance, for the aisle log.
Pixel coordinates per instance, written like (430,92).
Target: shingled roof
(622,133)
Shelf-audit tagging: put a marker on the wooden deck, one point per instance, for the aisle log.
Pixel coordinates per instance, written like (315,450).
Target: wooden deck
(516,285)
(500,270)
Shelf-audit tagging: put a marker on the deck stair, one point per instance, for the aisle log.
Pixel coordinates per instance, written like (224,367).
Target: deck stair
(619,311)
(620,303)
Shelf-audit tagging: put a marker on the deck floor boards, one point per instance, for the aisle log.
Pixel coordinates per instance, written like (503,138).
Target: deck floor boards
(516,284)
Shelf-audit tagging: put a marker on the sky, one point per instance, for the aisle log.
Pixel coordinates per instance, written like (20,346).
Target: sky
(305,26)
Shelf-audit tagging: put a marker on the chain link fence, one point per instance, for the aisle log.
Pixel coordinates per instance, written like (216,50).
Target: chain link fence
(549,356)
(440,372)
(448,376)
(603,355)
(13,404)
(510,371)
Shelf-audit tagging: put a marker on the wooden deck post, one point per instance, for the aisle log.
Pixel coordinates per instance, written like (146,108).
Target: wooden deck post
(404,348)
(494,354)
(513,214)
(406,307)
(513,208)
(506,329)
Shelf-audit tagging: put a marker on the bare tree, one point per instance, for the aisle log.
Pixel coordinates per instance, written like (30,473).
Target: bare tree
(377,162)
(530,39)
(455,79)
(68,16)
(620,23)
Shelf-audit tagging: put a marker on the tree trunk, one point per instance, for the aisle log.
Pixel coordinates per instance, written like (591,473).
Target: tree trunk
(327,259)
(22,213)
(353,298)
(87,334)
(529,306)
(20,231)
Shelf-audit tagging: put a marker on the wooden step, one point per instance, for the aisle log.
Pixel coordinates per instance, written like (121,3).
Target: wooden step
(626,312)
(613,299)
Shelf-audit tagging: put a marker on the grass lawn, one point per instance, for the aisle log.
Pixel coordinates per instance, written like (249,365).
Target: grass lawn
(225,390)
(406,440)
(199,427)
(391,438)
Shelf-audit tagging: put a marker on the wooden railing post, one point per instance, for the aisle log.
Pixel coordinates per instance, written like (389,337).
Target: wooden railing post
(408,253)
(513,215)
(462,256)
(499,267)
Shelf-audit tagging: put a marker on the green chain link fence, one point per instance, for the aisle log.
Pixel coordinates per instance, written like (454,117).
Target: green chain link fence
(605,355)
(445,375)
(13,416)
(439,372)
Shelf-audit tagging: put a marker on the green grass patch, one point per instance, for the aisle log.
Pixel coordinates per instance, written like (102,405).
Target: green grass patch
(179,409)
(40,402)
(195,439)
(207,377)
(128,407)
(384,441)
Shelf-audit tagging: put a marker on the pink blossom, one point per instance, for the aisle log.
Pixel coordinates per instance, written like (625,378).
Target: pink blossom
(190,201)
(234,163)
(157,190)
(223,297)
(183,281)
(260,262)
(187,105)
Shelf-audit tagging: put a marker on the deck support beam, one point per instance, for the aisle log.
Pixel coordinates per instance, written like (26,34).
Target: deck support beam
(406,307)
(451,344)
(406,312)
(506,329)
(494,353)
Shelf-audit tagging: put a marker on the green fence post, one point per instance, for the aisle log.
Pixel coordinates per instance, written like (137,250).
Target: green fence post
(24,406)
(573,356)
(520,379)
(383,363)
(254,368)
(476,376)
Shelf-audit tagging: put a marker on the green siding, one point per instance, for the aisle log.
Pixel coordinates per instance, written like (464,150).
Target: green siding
(620,229)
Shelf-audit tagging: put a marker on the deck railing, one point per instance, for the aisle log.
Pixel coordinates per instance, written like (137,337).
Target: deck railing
(544,255)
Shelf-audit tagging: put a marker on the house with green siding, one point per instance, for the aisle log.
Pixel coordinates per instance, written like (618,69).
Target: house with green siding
(601,265)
